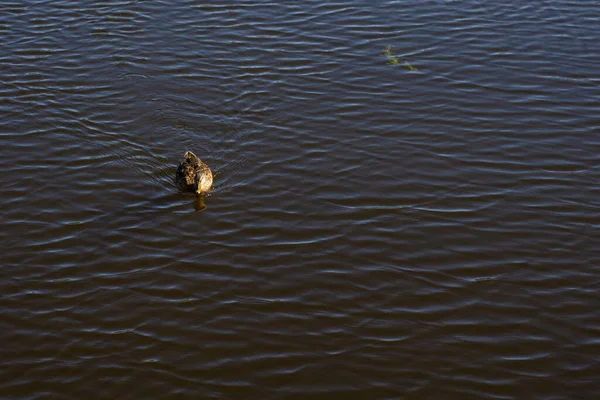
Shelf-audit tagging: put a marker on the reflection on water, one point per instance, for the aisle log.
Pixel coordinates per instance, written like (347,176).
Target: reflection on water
(199,204)
(373,231)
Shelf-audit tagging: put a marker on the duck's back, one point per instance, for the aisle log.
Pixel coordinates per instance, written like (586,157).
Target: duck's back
(186,172)
(191,172)
(185,175)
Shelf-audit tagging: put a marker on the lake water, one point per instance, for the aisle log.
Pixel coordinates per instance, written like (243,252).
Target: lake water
(406,200)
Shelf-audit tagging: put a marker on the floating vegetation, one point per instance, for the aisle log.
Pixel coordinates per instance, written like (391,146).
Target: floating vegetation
(407,65)
(393,60)
(388,53)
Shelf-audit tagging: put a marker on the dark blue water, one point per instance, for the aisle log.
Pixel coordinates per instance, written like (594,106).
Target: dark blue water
(405,203)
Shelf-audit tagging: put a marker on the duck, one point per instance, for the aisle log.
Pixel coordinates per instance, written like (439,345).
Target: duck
(193,175)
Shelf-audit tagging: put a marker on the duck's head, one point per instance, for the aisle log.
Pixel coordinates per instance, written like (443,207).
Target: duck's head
(190,157)
(203,181)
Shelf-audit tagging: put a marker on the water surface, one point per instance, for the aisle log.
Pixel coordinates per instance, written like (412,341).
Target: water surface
(375,231)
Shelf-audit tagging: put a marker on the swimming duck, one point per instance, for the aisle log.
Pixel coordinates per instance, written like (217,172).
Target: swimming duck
(193,175)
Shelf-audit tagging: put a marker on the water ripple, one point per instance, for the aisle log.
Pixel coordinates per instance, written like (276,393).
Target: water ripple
(374,230)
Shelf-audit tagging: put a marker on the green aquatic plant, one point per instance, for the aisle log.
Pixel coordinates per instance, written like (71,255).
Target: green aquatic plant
(393,60)
(407,65)
(388,53)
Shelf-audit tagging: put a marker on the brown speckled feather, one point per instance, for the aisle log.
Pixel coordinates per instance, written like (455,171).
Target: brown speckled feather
(193,175)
